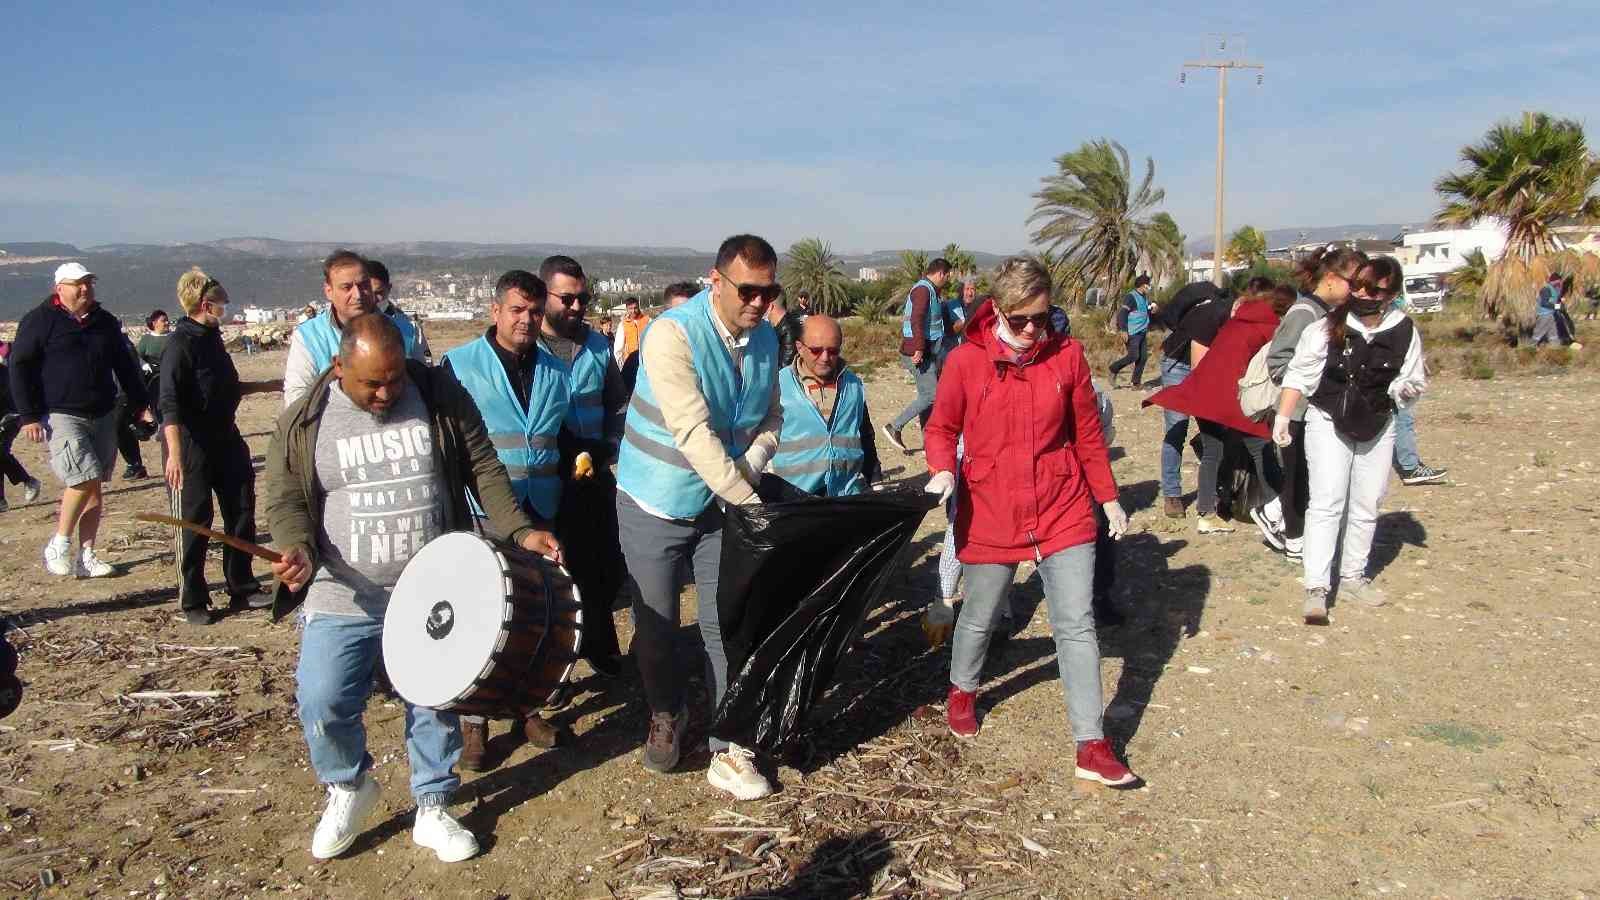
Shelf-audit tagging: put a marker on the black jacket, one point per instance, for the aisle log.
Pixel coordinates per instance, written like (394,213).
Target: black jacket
(60,365)
(199,384)
(788,329)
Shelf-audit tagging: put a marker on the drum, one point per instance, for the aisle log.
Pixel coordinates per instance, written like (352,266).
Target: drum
(481,627)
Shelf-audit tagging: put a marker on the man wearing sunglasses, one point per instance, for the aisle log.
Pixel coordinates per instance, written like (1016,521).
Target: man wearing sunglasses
(522,392)
(703,422)
(921,336)
(586,518)
(826,446)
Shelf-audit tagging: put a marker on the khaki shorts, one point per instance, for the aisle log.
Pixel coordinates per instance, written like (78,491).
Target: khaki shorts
(82,449)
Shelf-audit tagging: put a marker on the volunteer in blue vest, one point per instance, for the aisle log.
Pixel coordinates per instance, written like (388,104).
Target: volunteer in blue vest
(1133,320)
(703,422)
(378,279)
(826,446)
(315,342)
(921,337)
(586,519)
(521,392)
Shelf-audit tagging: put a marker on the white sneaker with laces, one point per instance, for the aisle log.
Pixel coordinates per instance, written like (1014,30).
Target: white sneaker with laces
(91,566)
(30,491)
(58,557)
(440,832)
(734,770)
(1294,548)
(341,820)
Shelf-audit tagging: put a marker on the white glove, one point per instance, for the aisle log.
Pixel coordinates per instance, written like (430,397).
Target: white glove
(939,622)
(1409,392)
(943,484)
(1116,519)
(1280,430)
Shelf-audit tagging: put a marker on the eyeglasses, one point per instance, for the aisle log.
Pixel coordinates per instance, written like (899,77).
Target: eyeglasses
(750,293)
(1372,292)
(1040,322)
(823,351)
(569,299)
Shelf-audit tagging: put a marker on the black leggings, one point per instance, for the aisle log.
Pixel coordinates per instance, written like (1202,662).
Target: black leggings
(10,467)
(1213,443)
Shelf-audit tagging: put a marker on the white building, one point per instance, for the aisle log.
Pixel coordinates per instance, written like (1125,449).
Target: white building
(256,315)
(868,273)
(1438,252)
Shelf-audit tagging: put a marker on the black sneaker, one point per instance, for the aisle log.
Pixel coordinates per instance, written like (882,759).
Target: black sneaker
(1422,474)
(256,599)
(197,615)
(134,473)
(893,436)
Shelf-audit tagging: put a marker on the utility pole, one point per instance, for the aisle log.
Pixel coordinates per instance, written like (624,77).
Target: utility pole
(1222,66)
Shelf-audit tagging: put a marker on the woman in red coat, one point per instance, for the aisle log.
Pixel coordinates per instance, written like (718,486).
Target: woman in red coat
(1211,395)
(1035,469)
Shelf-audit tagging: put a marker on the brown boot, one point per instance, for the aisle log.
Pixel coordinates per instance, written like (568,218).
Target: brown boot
(1173,507)
(539,732)
(474,745)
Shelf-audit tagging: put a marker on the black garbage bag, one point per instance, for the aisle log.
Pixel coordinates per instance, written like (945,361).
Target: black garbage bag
(799,574)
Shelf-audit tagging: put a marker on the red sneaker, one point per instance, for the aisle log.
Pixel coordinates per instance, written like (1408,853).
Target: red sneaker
(961,712)
(1096,762)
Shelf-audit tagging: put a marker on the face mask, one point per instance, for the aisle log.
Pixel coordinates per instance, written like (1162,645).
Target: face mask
(1011,338)
(1364,307)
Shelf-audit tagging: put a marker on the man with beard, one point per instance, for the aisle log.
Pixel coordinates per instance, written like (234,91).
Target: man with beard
(586,520)
(521,392)
(321,475)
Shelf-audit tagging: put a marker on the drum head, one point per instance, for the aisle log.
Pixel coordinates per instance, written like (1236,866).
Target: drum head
(445,619)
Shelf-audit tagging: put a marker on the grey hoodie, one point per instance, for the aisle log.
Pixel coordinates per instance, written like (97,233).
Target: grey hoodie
(1305,311)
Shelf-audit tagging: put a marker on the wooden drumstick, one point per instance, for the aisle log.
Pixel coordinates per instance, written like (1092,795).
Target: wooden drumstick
(255,550)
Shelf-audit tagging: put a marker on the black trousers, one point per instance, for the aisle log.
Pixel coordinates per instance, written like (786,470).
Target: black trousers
(587,526)
(10,467)
(1296,492)
(1137,353)
(221,469)
(127,441)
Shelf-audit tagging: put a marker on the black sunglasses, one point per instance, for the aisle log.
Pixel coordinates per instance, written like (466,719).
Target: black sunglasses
(569,299)
(1040,321)
(749,293)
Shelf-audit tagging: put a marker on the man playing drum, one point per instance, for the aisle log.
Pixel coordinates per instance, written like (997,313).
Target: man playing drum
(523,395)
(371,464)
(703,422)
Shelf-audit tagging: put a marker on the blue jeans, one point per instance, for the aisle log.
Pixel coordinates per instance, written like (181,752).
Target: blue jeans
(1068,577)
(1177,431)
(927,378)
(1406,455)
(337,656)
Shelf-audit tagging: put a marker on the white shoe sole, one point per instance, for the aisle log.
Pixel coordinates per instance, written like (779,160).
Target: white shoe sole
(1269,534)
(357,826)
(460,856)
(1211,529)
(739,789)
(1431,479)
(1097,778)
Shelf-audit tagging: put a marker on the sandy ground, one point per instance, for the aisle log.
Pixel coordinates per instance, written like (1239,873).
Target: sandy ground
(1448,745)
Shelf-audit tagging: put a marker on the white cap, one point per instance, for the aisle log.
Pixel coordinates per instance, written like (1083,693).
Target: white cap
(71,271)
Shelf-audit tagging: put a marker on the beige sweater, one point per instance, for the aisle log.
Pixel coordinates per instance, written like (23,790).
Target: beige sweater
(668,359)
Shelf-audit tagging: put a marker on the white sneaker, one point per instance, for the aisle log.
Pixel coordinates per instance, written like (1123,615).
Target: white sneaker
(1294,548)
(734,770)
(30,491)
(1363,591)
(91,566)
(440,832)
(341,820)
(58,557)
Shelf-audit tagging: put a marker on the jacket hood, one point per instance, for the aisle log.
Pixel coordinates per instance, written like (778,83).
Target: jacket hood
(1256,311)
(980,331)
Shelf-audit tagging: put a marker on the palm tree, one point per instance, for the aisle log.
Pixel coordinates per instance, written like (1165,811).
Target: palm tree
(1531,175)
(810,268)
(901,278)
(1466,283)
(1102,222)
(1171,244)
(961,262)
(1246,246)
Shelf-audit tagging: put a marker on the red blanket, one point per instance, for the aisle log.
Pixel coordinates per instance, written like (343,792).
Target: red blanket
(1211,391)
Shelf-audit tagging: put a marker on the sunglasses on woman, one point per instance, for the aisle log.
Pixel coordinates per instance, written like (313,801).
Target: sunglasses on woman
(1372,291)
(1040,322)
(750,293)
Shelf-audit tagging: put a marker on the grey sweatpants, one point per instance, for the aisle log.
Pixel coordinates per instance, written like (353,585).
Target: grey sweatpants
(657,550)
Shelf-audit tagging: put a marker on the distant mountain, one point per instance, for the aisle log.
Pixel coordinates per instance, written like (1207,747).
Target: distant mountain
(40,248)
(1284,237)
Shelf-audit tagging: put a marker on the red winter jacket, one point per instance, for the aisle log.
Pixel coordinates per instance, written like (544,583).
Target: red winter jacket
(1036,460)
(1211,391)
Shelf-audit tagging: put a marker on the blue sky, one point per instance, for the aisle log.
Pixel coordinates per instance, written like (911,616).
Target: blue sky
(873,126)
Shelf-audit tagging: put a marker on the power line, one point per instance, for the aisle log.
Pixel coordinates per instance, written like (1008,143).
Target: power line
(1222,66)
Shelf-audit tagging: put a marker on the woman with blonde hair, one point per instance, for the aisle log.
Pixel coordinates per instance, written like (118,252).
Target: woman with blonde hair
(203,452)
(1035,469)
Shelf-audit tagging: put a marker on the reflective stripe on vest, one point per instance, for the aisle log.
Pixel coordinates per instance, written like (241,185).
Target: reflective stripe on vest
(586,377)
(525,440)
(321,337)
(816,455)
(650,467)
(935,312)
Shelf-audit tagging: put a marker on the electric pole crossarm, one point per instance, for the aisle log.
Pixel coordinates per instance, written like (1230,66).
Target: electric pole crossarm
(1222,66)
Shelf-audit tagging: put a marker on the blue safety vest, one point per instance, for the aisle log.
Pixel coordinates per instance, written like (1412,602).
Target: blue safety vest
(935,312)
(823,457)
(650,467)
(1139,316)
(525,440)
(321,337)
(586,378)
